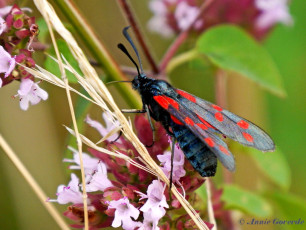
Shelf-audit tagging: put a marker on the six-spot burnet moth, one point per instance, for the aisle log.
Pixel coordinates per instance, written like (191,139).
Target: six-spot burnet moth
(195,123)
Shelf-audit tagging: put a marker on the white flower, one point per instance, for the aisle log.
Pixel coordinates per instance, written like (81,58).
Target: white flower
(109,125)
(70,193)
(153,209)
(185,15)
(272,11)
(5,10)
(158,23)
(178,163)
(30,92)
(2,25)
(99,180)
(90,163)
(7,63)
(124,212)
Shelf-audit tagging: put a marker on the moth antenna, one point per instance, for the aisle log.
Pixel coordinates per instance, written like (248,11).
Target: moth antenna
(124,50)
(111,82)
(127,36)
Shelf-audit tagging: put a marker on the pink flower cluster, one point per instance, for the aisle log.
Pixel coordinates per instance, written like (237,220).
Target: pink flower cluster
(255,16)
(17,32)
(120,194)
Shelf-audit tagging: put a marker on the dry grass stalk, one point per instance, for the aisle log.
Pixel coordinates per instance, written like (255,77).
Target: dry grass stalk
(72,112)
(99,93)
(33,184)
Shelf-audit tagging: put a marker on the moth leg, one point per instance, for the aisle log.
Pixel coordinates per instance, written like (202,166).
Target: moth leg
(171,170)
(145,110)
(128,111)
(120,134)
(133,111)
(151,124)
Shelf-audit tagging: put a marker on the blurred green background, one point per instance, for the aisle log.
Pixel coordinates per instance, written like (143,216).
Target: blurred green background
(39,139)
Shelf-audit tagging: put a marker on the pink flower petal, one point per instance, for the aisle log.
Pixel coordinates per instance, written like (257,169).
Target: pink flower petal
(124,212)
(70,193)
(99,180)
(7,63)
(30,92)
(272,11)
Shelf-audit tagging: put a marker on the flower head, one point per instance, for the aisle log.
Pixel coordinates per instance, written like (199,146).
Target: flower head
(178,163)
(185,15)
(4,11)
(90,163)
(153,209)
(30,92)
(70,193)
(99,180)
(124,212)
(159,22)
(255,16)
(272,11)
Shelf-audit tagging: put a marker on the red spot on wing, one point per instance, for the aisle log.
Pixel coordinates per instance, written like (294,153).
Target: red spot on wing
(175,120)
(202,126)
(205,122)
(217,107)
(189,121)
(209,141)
(248,137)
(186,95)
(219,116)
(165,101)
(243,124)
(224,150)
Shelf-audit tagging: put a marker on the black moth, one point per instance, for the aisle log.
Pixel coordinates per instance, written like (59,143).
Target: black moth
(195,123)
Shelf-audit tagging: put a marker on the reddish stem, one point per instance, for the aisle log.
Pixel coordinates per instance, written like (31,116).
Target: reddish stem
(132,21)
(220,92)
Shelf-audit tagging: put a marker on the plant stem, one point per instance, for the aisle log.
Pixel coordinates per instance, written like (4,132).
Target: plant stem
(210,209)
(72,112)
(98,50)
(181,58)
(132,21)
(220,91)
(33,184)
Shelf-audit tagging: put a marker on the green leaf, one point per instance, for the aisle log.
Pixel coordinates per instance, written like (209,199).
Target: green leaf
(230,48)
(238,198)
(43,30)
(273,165)
(289,207)
(52,66)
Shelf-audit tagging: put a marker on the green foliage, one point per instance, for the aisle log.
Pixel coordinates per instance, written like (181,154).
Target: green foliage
(43,30)
(287,45)
(251,203)
(273,165)
(52,66)
(230,48)
(288,207)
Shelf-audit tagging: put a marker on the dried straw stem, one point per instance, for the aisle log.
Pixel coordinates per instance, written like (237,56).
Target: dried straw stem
(33,184)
